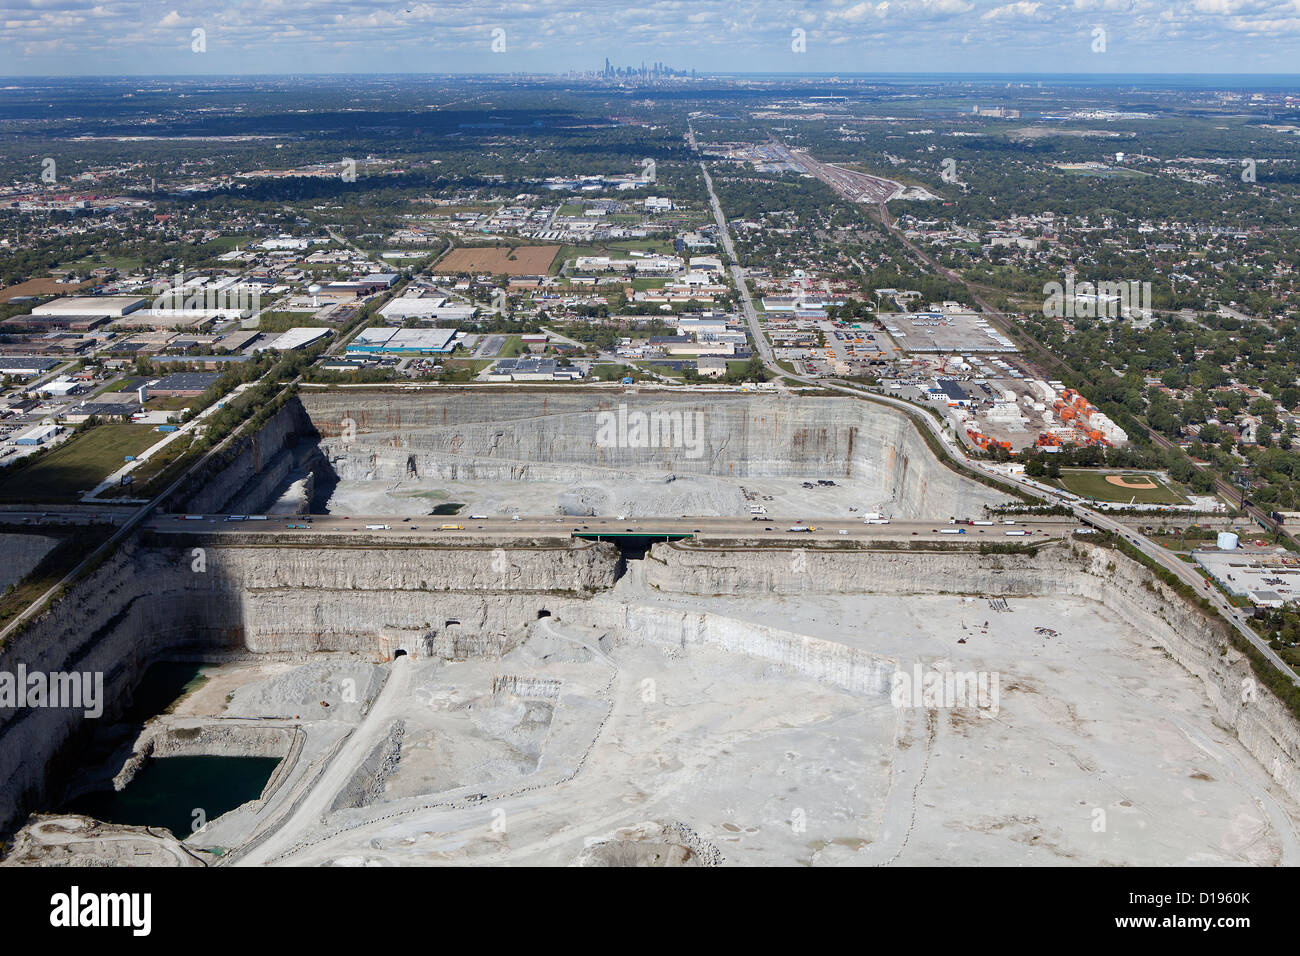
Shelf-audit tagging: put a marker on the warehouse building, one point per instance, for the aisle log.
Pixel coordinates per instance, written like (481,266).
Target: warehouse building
(390,341)
(38,435)
(114,306)
(184,384)
(430,309)
(22,366)
(298,338)
(46,323)
(532,370)
(711,367)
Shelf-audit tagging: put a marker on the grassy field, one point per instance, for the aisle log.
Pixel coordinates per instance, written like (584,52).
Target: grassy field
(146,483)
(284,321)
(79,464)
(1120,487)
(610,373)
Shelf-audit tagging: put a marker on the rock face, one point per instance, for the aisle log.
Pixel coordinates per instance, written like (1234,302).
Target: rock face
(260,465)
(578,436)
(22,552)
(147,603)
(219,594)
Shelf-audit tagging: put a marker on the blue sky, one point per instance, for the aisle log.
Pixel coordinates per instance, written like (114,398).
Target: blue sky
(78,37)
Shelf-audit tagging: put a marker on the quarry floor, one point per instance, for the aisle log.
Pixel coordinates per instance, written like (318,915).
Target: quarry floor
(634,497)
(1101,750)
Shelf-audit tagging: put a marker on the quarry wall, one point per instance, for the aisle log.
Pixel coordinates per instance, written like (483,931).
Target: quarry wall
(557,435)
(258,467)
(148,602)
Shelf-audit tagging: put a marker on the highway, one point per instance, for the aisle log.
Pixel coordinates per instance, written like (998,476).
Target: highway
(703,528)
(1088,516)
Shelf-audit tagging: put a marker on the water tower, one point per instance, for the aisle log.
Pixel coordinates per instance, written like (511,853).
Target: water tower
(314,290)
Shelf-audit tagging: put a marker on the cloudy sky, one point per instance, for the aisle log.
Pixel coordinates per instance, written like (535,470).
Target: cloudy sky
(68,37)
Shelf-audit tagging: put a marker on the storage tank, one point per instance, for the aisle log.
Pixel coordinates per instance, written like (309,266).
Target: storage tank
(1227,541)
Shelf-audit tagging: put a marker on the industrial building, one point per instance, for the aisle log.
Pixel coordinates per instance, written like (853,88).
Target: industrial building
(298,338)
(22,366)
(45,323)
(185,384)
(63,386)
(1267,578)
(711,367)
(38,435)
(390,341)
(532,370)
(431,308)
(87,410)
(114,306)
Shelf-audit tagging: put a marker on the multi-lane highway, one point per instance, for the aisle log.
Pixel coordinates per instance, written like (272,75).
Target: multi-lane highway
(704,528)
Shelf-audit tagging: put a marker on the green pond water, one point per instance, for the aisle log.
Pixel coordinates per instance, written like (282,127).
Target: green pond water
(168,791)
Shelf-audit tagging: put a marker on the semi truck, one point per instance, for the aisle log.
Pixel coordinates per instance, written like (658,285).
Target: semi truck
(453,527)
(377,527)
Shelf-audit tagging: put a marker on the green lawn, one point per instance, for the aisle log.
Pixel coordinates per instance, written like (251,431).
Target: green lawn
(120,263)
(284,321)
(1093,484)
(79,464)
(610,373)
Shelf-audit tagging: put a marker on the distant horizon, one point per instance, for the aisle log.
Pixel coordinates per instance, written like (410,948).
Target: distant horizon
(700,74)
(108,38)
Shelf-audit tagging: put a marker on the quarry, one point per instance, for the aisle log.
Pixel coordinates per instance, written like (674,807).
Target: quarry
(548,700)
